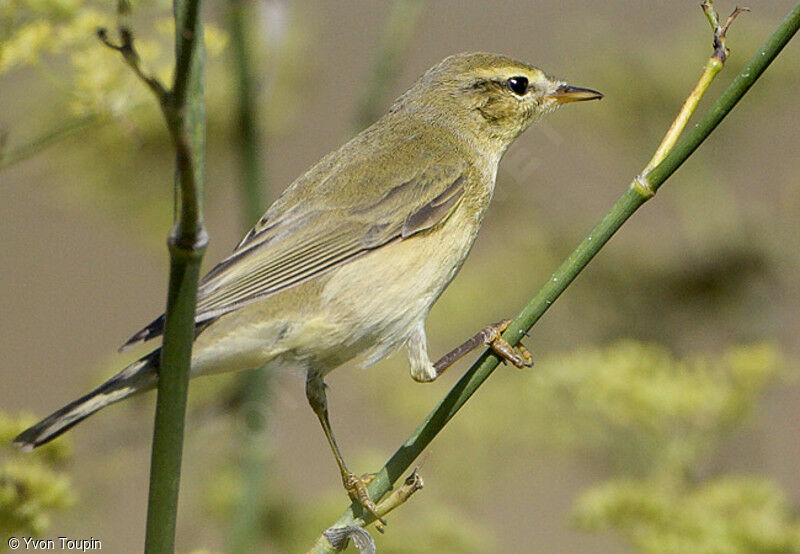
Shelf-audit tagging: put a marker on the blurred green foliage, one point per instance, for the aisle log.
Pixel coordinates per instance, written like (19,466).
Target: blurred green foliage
(643,409)
(32,486)
(746,515)
(47,33)
(658,419)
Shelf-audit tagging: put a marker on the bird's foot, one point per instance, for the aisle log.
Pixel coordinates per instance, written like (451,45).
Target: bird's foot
(356,488)
(517,355)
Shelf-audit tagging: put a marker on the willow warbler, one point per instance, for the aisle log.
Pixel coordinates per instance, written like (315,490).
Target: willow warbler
(351,257)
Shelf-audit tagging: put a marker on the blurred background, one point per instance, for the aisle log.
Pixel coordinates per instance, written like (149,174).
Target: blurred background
(663,411)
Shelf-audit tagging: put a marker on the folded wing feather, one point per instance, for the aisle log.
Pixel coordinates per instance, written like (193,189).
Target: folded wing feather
(312,240)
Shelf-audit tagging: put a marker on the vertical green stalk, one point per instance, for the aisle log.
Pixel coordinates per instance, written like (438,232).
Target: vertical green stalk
(395,39)
(247,138)
(254,386)
(184,110)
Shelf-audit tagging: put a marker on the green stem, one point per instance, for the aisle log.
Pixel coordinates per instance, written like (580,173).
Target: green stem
(184,110)
(395,39)
(737,89)
(248,139)
(713,66)
(254,386)
(641,190)
(40,143)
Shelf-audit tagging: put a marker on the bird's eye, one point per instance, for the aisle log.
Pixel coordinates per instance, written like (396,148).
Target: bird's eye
(518,85)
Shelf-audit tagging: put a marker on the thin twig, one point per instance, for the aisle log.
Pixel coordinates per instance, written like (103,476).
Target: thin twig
(187,29)
(412,484)
(720,32)
(713,66)
(188,230)
(131,57)
(29,149)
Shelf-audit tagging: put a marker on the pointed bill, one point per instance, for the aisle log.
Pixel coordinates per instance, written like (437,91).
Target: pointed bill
(566,93)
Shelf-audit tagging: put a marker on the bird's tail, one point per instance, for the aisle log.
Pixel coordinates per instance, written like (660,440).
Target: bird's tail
(137,377)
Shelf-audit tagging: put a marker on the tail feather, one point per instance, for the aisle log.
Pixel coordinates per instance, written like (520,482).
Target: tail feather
(137,377)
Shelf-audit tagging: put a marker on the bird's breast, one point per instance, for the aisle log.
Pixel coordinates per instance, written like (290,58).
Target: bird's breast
(381,296)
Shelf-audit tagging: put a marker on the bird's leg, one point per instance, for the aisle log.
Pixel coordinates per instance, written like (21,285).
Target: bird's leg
(355,486)
(489,336)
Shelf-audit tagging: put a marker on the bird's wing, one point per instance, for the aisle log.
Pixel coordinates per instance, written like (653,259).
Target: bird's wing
(314,236)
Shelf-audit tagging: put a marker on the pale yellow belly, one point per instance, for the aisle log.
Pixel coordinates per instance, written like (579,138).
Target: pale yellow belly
(368,306)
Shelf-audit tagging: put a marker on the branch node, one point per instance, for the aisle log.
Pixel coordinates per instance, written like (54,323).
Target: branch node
(642,186)
(337,538)
(412,484)
(720,31)
(102,34)
(193,243)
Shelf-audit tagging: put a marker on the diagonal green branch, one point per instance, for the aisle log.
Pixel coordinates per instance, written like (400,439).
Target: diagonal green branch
(641,190)
(67,129)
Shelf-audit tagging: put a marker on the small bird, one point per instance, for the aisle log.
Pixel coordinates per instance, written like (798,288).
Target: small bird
(352,256)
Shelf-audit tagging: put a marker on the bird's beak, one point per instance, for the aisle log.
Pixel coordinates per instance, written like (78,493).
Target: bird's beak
(566,93)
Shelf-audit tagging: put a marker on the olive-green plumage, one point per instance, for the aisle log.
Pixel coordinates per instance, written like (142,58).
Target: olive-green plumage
(351,257)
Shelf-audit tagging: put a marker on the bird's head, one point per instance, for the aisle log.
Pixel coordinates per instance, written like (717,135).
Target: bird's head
(491,97)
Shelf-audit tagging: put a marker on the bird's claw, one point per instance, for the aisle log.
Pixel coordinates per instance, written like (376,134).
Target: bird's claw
(519,356)
(356,488)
